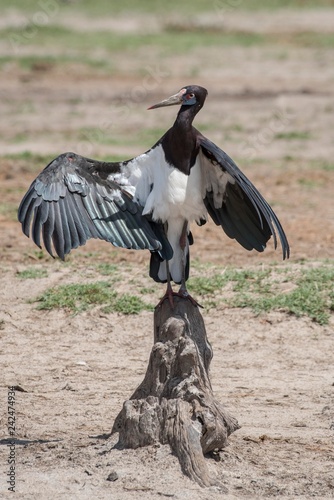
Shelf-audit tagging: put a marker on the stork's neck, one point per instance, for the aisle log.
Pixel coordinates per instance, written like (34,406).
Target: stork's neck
(186,115)
(179,143)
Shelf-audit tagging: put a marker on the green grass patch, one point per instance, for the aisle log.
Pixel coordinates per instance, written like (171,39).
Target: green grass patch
(313,39)
(174,38)
(106,269)
(81,47)
(127,304)
(143,137)
(236,127)
(147,290)
(190,35)
(28,162)
(312,296)
(310,292)
(105,7)
(30,157)
(43,64)
(289,158)
(310,183)
(37,255)
(209,285)
(9,211)
(77,297)
(240,280)
(293,135)
(328,167)
(18,138)
(32,273)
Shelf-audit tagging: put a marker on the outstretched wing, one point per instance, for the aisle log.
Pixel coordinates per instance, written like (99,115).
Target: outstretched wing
(76,198)
(235,204)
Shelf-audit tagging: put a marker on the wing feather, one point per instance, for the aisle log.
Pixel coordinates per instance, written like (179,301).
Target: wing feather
(81,217)
(58,238)
(107,211)
(234,203)
(48,228)
(40,217)
(67,246)
(76,198)
(29,211)
(76,230)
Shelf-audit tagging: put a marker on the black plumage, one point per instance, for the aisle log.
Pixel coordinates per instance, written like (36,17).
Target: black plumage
(244,214)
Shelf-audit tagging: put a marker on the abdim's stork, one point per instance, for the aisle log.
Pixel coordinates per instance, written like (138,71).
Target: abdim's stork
(149,201)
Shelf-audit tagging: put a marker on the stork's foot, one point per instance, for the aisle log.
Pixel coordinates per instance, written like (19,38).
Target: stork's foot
(168,295)
(181,293)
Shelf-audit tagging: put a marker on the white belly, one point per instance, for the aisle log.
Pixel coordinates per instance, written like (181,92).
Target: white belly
(175,195)
(167,195)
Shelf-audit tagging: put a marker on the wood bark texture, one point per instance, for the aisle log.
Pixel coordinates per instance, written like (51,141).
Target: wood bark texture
(175,404)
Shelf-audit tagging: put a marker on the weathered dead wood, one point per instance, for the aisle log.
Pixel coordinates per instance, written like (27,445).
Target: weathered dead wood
(175,404)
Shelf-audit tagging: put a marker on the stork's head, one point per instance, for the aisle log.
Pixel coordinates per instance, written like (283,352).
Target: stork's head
(191,95)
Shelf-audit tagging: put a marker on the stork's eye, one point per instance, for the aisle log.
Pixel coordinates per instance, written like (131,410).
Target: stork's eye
(190,96)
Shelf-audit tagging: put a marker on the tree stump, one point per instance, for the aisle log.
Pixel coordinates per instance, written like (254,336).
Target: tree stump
(175,404)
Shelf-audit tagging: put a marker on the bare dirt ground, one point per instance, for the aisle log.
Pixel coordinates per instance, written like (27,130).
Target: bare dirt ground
(274,372)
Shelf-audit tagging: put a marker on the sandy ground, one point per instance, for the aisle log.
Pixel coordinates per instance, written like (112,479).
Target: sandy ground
(274,372)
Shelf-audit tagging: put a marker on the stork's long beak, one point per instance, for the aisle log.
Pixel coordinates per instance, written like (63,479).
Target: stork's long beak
(173,99)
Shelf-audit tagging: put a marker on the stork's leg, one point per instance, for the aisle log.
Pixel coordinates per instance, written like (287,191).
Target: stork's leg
(183,292)
(169,292)
(183,244)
